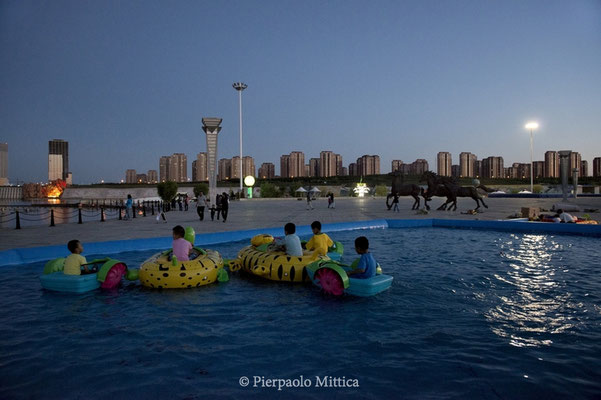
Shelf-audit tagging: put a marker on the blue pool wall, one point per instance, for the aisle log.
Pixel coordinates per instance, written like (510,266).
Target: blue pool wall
(36,254)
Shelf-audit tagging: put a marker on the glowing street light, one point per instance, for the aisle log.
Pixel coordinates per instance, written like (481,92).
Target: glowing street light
(531,126)
(239,86)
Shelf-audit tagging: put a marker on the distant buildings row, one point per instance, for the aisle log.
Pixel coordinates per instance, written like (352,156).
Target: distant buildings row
(492,167)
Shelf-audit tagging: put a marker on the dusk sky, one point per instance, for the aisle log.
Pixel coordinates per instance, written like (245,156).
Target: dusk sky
(126,82)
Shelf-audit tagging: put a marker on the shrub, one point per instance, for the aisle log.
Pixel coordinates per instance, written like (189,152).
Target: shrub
(537,188)
(167,190)
(270,190)
(381,190)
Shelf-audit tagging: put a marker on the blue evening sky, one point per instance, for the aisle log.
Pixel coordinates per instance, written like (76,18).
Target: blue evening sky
(126,82)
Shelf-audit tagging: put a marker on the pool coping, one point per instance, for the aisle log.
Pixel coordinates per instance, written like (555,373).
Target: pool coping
(28,255)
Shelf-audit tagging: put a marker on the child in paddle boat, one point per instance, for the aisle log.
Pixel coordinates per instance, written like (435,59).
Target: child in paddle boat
(564,217)
(320,242)
(181,247)
(291,243)
(75,261)
(367,264)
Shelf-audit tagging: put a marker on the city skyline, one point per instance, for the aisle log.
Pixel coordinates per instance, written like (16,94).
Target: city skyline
(414,79)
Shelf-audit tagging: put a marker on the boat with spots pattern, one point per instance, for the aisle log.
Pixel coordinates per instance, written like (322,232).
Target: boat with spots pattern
(257,259)
(162,271)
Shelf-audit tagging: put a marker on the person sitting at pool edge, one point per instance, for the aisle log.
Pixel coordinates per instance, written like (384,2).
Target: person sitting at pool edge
(564,217)
(181,247)
(75,260)
(367,264)
(320,242)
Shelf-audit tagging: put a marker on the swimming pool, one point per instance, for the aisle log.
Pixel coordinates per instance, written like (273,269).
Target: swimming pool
(471,314)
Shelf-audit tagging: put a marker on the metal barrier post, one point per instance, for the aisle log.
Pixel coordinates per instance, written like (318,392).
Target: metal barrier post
(101,214)
(144,209)
(152,207)
(120,217)
(18,221)
(79,221)
(52,217)
(133,210)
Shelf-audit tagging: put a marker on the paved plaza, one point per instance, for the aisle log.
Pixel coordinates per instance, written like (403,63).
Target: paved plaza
(268,213)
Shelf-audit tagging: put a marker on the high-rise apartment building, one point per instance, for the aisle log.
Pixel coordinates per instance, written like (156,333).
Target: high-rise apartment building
(443,162)
(551,164)
(285,166)
(164,162)
(539,169)
(248,167)
(478,168)
(467,163)
(152,176)
(492,167)
(296,164)
(224,169)
(314,167)
(58,159)
(418,167)
(338,165)
(307,170)
(455,170)
(396,165)
(3,164)
(352,169)
(141,178)
(130,176)
(368,165)
(575,161)
(178,167)
(267,171)
(327,164)
(584,168)
(199,169)
(597,167)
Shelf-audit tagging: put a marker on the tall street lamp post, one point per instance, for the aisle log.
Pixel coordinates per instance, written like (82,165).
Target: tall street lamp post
(531,126)
(239,86)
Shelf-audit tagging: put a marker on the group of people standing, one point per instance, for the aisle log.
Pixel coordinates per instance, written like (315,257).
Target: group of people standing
(221,206)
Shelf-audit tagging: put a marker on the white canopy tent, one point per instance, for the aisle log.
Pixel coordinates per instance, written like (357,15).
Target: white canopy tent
(301,189)
(315,189)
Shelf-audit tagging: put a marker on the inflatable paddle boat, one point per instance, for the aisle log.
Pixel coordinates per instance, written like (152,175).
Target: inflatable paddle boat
(332,278)
(108,276)
(163,271)
(258,260)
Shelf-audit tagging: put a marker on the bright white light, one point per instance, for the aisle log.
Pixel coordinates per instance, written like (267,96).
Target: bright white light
(361,190)
(249,180)
(531,125)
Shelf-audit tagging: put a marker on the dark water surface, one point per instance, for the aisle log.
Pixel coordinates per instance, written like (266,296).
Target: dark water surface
(471,314)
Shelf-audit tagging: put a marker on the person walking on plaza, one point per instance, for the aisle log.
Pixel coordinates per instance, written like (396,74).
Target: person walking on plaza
(128,207)
(331,203)
(186,201)
(225,206)
(395,203)
(201,203)
(309,205)
(218,205)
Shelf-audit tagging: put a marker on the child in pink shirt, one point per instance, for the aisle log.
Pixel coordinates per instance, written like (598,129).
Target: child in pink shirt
(181,247)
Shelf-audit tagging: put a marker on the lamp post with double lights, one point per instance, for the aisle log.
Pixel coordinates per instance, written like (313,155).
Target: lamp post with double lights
(531,126)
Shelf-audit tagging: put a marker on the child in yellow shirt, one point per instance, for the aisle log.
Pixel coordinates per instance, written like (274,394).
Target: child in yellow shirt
(320,242)
(75,261)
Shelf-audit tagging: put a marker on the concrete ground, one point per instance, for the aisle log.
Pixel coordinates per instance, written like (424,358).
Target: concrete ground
(267,213)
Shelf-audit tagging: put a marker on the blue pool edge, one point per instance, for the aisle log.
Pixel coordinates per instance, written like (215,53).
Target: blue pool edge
(35,254)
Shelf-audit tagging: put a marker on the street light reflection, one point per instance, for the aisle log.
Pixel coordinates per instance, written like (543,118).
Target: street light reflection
(533,302)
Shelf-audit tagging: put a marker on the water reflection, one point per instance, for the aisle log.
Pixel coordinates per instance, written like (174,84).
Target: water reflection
(534,304)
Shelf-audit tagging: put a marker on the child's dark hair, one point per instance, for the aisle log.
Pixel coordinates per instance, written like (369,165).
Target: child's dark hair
(72,245)
(362,243)
(290,228)
(179,231)
(316,225)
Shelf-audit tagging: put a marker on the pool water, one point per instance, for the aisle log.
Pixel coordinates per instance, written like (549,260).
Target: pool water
(470,314)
